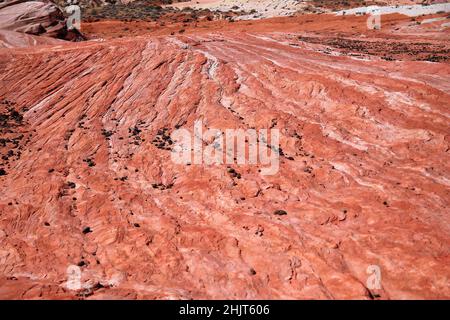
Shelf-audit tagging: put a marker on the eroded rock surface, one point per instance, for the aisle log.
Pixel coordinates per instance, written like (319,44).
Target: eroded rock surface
(35,18)
(12,39)
(364,177)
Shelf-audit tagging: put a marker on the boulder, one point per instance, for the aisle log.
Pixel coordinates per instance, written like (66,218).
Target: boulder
(36,18)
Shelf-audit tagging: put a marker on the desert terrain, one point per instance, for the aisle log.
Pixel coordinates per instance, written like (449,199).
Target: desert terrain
(87,182)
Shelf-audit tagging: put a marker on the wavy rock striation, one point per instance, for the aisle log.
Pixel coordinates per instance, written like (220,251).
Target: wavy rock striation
(364,176)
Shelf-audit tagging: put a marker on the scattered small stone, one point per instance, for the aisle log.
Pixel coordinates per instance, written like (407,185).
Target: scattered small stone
(280,213)
(252,271)
(89,162)
(162,139)
(233,173)
(308,169)
(162,186)
(107,133)
(71,184)
(87,230)
(260,231)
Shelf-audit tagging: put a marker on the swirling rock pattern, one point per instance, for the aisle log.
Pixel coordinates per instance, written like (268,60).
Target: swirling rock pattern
(364,177)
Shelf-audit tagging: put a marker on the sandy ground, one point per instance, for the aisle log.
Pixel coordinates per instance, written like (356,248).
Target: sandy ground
(259,8)
(270,8)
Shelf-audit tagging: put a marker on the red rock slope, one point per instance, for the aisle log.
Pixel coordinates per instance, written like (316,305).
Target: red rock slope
(32,17)
(364,179)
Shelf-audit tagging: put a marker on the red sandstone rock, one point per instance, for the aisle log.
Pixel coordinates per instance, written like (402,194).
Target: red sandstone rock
(31,17)
(36,18)
(368,184)
(12,39)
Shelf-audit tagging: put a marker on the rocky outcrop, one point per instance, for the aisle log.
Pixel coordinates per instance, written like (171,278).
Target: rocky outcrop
(12,39)
(36,18)
(32,17)
(87,179)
